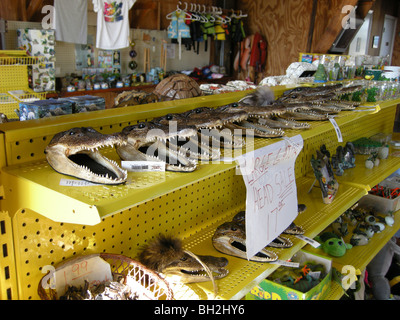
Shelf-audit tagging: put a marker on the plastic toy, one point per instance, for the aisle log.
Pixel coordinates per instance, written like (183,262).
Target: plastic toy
(332,244)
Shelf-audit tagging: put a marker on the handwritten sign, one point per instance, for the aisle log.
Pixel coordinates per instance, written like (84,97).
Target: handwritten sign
(271,194)
(74,273)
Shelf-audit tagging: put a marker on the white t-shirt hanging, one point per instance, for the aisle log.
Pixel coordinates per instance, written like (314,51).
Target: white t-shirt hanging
(112,23)
(71,20)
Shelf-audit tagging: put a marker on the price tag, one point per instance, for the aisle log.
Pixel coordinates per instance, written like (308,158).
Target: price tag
(76,183)
(143,166)
(91,268)
(271,194)
(286,263)
(310,241)
(337,129)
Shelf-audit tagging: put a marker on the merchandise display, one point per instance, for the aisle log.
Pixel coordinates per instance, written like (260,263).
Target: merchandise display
(71,21)
(85,103)
(203,180)
(40,43)
(306,277)
(323,172)
(75,153)
(43,108)
(112,23)
(333,245)
(166,255)
(109,277)
(123,194)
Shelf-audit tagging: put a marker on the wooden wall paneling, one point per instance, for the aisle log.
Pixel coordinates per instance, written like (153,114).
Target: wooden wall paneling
(145,15)
(333,27)
(33,7)
(284,25)
(9,10)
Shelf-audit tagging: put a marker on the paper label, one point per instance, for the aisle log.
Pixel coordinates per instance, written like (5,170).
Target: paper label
(143,166)
(91,268)
(271,194)
(337,129)
(286,263)
(310,241)
(76,183)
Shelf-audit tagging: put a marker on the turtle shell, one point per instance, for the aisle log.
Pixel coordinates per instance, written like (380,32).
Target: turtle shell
(177,86)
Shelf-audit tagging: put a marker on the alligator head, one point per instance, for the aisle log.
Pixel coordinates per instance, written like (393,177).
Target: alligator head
(166,255)
(209,122)
(75,152)
(230,238)
(150,141)
(255,119)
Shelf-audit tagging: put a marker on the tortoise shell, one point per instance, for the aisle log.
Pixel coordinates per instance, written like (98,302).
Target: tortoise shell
(177,86)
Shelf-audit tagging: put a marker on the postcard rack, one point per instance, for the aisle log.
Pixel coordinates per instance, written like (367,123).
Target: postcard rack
(43,223)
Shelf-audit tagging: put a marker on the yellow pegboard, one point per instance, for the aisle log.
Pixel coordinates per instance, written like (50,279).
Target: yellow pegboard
(14,78)
(187,205)
(8,278)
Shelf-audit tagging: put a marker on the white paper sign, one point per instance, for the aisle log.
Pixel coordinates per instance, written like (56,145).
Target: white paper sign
(271,193)
(91,268)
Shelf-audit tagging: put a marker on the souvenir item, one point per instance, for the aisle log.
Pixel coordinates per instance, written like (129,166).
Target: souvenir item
(167,256)
(332,244)
(324,175)
(75,153)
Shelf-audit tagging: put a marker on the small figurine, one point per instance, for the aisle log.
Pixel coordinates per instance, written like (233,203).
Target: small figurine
(324,174)
(332,244)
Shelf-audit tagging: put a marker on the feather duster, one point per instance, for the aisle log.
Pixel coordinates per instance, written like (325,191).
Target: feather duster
(262,96)
(157,254)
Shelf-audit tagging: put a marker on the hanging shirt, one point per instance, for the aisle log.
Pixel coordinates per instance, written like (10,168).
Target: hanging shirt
(71,21)
(112,23)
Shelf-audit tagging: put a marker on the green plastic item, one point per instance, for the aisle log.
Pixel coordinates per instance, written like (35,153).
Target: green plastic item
(320,74)
(332,244)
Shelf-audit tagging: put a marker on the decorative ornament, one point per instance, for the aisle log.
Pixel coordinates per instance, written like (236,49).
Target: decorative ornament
(132,54)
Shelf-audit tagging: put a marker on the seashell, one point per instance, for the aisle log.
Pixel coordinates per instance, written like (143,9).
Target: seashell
(358,240)
(369,232)
(383,153)
(369,164)
(380,225)
(389,221)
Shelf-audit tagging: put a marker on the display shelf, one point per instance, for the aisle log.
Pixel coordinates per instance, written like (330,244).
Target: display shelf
(369,177)
(244,275)
(119,219)
(358,256)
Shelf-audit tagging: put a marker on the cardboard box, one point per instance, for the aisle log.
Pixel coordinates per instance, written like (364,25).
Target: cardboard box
(381,204)
(86,103)
(43,108)
(270,290)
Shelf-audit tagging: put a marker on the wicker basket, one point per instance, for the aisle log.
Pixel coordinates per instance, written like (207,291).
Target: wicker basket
(152,285)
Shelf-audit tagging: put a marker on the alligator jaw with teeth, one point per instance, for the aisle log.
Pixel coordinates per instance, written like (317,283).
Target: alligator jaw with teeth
(165,255)
(230,238)
(149,141)
(75,152)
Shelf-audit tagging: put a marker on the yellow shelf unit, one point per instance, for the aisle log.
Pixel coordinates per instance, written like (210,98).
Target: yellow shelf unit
(52,223)
(14,77)
(359,256)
